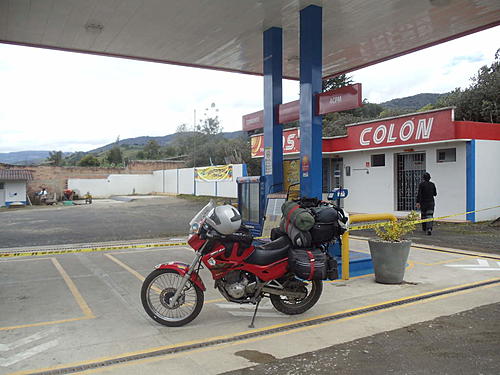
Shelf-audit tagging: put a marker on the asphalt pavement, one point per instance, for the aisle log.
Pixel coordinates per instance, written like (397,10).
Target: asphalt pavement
(119,219)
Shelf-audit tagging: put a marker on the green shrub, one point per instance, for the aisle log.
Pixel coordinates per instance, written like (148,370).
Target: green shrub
(394,231)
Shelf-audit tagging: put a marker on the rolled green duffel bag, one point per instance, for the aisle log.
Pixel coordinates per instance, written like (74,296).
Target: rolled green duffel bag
(297,216)
(299,238)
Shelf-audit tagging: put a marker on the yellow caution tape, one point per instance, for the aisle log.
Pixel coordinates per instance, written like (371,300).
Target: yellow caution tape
(85,250)
(370,226)
(123,247)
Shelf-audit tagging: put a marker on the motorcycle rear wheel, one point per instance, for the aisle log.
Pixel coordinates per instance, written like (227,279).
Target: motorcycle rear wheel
(294,306)
(159,287)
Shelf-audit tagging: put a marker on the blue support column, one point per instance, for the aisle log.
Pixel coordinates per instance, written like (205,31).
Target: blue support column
(470,177)
(311,45)
(272,165)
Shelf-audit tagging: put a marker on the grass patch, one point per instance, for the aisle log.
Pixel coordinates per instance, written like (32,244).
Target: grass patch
(205,198)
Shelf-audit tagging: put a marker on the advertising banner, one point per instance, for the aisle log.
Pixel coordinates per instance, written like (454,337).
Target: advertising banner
(215,173)
(291,143)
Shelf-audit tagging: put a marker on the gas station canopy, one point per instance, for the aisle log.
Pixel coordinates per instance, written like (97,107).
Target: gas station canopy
(228,34)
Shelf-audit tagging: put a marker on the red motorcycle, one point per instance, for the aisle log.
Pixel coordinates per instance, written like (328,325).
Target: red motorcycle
(173,293)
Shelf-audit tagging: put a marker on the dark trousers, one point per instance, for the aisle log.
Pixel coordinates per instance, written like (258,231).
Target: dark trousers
(427,212)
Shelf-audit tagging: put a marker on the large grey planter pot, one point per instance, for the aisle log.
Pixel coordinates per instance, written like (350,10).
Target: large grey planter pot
(389,260)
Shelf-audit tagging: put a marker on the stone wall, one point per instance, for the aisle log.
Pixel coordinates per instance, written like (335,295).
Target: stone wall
(55,179)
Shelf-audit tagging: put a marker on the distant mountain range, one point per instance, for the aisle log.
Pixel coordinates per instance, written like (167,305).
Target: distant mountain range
(161,140)
(36,157)
(23,157)
(413,102)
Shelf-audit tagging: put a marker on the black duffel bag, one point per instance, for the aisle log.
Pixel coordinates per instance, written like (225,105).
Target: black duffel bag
(326,226)
(308,263)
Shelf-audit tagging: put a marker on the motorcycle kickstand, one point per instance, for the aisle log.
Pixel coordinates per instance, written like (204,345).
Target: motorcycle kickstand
(255,313)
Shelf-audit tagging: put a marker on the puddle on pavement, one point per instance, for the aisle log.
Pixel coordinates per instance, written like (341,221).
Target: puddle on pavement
(256,356)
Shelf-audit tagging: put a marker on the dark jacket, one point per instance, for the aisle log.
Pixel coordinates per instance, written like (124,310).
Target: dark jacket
(426,192)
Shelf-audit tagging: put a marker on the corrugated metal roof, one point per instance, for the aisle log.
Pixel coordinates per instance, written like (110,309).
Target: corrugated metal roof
(15,174)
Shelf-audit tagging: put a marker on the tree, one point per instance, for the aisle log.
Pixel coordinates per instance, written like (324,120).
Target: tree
(481,100)
(202,144)
(55,158)
(89,161)
(336,82)
(152,150)
(210,125)
(114,156)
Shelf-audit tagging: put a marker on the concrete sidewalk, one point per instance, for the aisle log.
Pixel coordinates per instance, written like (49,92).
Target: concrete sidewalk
(87,308)
(462,343)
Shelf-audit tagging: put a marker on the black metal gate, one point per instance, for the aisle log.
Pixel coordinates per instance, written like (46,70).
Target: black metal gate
(410,168)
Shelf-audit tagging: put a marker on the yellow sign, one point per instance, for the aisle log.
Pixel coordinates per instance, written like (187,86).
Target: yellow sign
(291,175)
(214,174)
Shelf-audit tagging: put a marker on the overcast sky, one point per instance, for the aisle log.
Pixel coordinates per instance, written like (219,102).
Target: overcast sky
(52,100)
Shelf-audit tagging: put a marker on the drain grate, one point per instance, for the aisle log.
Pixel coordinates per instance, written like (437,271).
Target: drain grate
(236,338)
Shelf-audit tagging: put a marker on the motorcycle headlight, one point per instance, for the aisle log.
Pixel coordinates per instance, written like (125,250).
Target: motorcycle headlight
(194,228)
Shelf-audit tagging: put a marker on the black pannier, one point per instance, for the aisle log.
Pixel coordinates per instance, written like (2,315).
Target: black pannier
(326,226)
(332,271)
(308,264)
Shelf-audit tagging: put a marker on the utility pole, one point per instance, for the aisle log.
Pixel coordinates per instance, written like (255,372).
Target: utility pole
(194,140)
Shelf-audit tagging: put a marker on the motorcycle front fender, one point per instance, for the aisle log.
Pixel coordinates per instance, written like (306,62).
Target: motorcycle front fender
(181,269)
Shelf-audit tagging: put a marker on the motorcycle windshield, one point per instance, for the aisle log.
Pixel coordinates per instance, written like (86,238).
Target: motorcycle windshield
(195,222)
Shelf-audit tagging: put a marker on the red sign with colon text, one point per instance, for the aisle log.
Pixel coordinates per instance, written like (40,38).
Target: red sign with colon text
(398,131)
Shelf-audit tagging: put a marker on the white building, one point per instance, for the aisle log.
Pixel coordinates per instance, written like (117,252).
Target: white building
(13,186)
(381,163)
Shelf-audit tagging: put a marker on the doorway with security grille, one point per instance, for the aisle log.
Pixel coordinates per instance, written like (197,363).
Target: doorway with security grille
(409,171)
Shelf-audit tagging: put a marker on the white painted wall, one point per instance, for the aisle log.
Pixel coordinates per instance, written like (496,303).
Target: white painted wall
(2,197)
(186,181)
(98,187)
(171,181)
(114,185)
(230,188)
(14,191)
(487,179)
(375,192)
(371,192)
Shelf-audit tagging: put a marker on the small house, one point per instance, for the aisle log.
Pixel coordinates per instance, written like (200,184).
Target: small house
(13,186)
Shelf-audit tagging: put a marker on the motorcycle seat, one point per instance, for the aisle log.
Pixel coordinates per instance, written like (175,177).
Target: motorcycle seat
(270,252)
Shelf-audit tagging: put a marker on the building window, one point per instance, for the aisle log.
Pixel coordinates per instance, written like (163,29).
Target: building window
(2,185)
(446,155)
(378,160)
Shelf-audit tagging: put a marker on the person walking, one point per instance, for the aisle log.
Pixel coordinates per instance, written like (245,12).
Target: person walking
(425,201)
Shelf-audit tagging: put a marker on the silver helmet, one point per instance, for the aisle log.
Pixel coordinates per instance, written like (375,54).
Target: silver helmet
(224,219)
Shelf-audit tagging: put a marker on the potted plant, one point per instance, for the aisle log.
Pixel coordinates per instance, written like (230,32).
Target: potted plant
(390,252)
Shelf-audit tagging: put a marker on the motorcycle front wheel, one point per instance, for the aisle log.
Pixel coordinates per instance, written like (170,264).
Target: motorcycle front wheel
(157,290)
(292,306)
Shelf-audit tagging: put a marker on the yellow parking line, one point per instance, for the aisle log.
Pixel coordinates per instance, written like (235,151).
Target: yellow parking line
(443,261)
(23,260)
(151,250)
(264,337)
(142,278)
(72,287)
(46,323)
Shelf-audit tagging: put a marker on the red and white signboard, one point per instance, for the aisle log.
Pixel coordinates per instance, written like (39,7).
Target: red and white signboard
(405,130)
(253,121)
(291,143)
(342,99)
(288,112)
